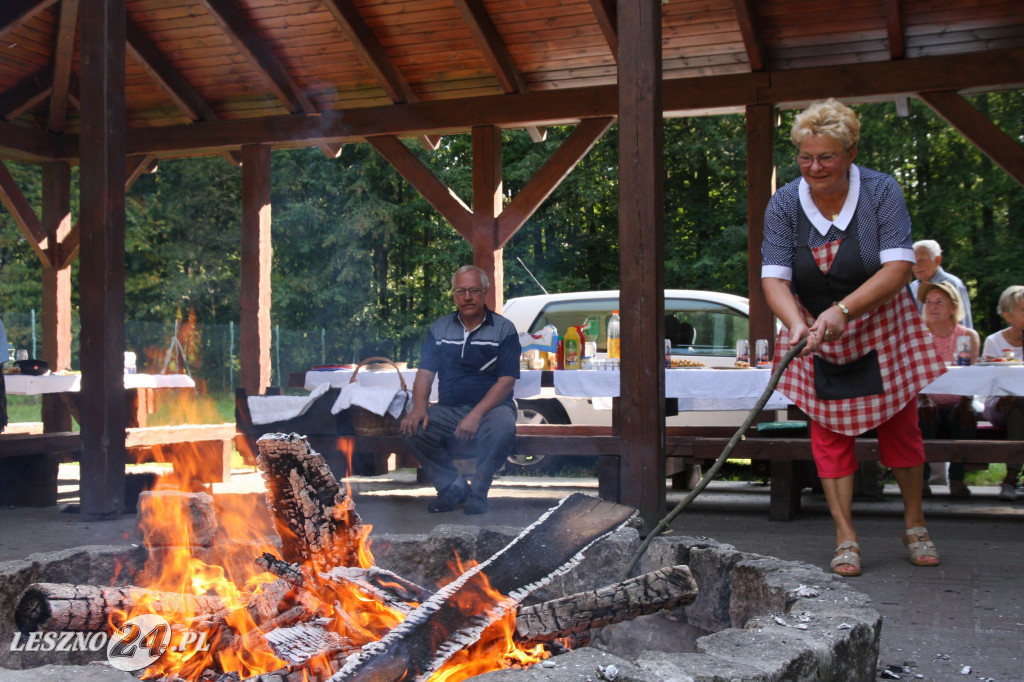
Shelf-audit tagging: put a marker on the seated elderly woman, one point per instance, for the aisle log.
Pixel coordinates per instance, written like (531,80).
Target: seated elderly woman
(1008,411)
(940,415)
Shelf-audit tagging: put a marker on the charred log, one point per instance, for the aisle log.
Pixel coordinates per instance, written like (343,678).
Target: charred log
(316,521)
(456,616)
(665,588)
(89,608)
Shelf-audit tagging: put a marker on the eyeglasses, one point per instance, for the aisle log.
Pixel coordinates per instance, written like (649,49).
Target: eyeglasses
(823,159)
(475,291)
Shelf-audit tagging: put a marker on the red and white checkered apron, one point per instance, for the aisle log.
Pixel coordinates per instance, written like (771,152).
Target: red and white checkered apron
(906,357)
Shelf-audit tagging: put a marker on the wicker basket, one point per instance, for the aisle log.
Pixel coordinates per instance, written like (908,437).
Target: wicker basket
(366,423)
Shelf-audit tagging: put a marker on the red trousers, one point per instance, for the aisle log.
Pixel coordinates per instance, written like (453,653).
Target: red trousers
(899,444)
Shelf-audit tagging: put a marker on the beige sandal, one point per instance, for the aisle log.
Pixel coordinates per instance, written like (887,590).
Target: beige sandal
(846,557)
(922,549)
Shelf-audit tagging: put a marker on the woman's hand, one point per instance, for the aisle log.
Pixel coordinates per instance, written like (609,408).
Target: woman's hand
(830,325)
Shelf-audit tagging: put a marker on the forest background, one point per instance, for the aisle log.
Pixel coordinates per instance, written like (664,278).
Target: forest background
(362,264)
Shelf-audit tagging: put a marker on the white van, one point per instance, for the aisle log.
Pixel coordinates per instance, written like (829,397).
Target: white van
(702,325)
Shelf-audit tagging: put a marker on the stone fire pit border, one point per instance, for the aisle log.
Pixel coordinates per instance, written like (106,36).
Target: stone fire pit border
(769,619)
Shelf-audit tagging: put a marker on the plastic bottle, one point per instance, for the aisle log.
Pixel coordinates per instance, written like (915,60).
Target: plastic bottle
(573,348)
(614,332)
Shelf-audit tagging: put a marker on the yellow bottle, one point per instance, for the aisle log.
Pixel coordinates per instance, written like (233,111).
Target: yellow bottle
(614,347)
(573,349)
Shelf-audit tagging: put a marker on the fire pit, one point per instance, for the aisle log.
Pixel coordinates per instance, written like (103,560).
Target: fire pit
(754,617)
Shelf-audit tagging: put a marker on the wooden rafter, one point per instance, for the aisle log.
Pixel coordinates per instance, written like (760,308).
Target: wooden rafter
(376,58)
(604,12)
(882,80)
(260,58)
(26,94)
(894,29)
(14,199)
(63,51)
(746,17)
(134,168)
(14,13)
(1004,151)
(493,47)
(547,179)
(170,80)
(26,143)
(444,200)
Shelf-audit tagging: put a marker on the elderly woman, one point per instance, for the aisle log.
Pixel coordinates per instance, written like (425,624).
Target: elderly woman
(836,260)
(941,415)
(1008,411)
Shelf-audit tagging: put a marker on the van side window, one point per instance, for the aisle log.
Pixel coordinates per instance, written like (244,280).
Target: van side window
(703,328)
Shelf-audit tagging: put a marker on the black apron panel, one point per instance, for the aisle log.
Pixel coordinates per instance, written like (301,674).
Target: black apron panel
(855,379)
(816,289)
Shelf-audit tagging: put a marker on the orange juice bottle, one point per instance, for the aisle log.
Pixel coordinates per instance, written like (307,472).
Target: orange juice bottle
(573,348)
(614,347)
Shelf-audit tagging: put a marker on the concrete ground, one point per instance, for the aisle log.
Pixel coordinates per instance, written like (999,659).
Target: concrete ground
(963,620)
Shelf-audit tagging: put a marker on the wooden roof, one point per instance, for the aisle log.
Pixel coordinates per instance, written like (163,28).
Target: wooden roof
(209,75)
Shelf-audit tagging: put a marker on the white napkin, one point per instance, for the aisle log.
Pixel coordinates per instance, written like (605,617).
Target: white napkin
(376,399)
(265,409)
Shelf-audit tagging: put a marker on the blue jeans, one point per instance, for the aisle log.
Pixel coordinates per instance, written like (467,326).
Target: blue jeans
(435,445)
(947,425)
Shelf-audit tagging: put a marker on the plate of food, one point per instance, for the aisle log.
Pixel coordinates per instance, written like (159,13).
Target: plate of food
(680,363)
(997,362)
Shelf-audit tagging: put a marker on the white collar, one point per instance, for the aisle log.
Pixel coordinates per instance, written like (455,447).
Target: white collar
(820,222)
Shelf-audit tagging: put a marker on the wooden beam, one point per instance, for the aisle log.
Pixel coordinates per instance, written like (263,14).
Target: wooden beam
(641,262)
(22,212)
(14,13)
(256,249)
(746,17)
(1004,151)
(102,413)
(495,53)
(135,166)
(252,47)
(487,199)
(26,94)
(56,299)
(867,82)
(539,187)
(63,51)
(376,58)
(894,29)
(443,199)
(762,122)
(27,144)
(607,19)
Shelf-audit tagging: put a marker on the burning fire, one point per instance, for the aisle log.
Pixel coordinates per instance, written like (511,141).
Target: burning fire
(183,560)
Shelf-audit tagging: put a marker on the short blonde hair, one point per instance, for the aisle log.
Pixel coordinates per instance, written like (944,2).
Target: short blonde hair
(829,117)
(1011,297)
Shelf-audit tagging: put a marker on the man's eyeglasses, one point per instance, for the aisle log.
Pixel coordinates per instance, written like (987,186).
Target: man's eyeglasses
(823,159)
(475,291)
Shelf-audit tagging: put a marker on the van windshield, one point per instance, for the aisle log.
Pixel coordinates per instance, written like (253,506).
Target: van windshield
(693,326)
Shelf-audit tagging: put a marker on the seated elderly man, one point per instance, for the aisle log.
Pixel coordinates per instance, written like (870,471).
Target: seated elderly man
(474,353)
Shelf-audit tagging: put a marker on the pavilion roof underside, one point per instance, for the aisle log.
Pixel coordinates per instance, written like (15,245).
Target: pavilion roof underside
(444,65)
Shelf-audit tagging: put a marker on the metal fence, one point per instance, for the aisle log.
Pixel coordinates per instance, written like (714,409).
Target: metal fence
(206,352)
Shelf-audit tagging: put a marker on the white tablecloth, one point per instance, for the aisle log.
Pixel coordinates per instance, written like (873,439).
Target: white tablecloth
(25,384)
(980,380)
(695,389)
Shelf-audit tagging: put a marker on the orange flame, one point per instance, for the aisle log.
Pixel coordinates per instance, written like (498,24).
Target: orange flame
(187,557)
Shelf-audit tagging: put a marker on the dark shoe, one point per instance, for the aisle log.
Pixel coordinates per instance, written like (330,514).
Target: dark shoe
(448,499)
(958,489)
(475,505)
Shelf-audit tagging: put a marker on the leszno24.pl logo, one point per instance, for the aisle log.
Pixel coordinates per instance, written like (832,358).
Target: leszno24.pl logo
(137,644)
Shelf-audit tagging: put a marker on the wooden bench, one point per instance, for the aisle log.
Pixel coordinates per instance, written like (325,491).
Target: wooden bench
(200,453)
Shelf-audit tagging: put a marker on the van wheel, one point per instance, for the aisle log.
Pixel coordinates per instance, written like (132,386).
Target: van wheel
(534,465)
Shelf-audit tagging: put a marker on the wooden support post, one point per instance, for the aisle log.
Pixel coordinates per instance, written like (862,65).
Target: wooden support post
(486,209)
(101,277)
(56,303)
(641,264)
(762,120)
(256,260)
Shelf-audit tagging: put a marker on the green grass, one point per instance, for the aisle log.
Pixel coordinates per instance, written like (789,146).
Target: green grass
(187,407)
